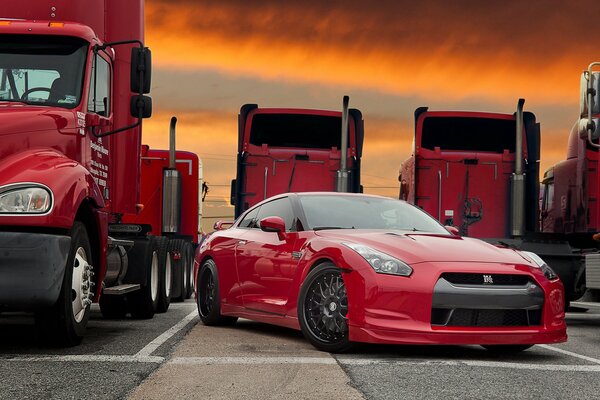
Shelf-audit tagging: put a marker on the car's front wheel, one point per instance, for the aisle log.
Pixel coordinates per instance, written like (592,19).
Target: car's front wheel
(323,309)
(207,298)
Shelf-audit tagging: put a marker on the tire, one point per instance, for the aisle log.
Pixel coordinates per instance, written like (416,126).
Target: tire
(165,274)
(322,309)
(181,266)
(64,323)
(145,255)
(506,348)
(208,300)
(113,307)
(189,270)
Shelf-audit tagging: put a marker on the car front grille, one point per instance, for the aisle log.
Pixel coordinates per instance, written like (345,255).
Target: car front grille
(486,300)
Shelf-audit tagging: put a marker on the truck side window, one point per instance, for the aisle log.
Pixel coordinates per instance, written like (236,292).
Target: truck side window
(278,208)
(548,196)
(99,96)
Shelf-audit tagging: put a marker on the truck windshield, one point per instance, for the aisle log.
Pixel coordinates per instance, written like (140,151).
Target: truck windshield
(42,70)
(468,134)
(296,130)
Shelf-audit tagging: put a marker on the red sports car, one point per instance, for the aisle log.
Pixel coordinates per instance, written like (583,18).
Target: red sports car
(349,268)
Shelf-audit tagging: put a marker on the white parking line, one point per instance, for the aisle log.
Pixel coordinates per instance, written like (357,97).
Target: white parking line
(380,361)
(85,358)
(569,353)
(251,360)
(156,343)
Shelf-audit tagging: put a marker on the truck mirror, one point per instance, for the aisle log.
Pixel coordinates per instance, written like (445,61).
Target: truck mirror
(584,126)
(583,90)
(233,192)
(141,106)
(141,70)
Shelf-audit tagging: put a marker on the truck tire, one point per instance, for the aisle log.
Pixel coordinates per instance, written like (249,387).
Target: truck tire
(145,256)
(180,276)
(113,307)
(189,270)
(64,323)
(166,279)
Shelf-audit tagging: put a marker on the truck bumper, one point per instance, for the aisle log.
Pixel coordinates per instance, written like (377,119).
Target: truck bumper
(32,266)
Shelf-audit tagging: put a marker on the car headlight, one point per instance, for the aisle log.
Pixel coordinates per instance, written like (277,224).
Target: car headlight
(381,262)
(25,199)
(549,272)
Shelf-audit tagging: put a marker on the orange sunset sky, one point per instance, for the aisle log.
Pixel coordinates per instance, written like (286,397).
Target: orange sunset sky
(390,57)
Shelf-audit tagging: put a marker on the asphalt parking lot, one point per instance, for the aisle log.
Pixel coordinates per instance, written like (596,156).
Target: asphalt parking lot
(174,356)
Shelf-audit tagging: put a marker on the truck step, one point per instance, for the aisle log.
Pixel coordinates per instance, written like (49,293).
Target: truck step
(121,289)
(112,242)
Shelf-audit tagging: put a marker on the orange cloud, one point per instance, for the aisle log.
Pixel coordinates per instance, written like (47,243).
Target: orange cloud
(459,51)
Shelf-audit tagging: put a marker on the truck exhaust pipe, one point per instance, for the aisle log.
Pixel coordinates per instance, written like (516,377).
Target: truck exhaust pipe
(171,188)
(342,173)
(518,178)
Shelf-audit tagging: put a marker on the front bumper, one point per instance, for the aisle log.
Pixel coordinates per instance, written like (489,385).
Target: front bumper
(401,310)
(32,266)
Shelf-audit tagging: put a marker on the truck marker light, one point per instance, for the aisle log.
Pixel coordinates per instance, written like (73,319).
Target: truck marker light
(56,24)
(4,23)
(596,237)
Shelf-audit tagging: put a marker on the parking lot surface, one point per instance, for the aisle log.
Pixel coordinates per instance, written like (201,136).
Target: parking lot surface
(174,356)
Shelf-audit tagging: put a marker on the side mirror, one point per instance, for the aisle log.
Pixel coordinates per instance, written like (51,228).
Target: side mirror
(273,224)
(141,105)
(233,192)
(141,70)
(453,230)
(222,225)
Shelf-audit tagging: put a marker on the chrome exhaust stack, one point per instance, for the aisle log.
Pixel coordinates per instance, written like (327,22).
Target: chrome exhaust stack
(342,173)
(171,188)
(518,179)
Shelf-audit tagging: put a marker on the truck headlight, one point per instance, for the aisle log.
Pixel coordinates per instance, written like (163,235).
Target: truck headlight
(25,199)
(381,262)
(549,272)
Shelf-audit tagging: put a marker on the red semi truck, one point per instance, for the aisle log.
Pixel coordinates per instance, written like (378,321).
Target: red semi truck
(78,221)
(479,172)
(570,203)
(296,150)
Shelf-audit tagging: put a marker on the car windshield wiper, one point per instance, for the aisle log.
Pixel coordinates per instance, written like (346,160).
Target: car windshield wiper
(322,228)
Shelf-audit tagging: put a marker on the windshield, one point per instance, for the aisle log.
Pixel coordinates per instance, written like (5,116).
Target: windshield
(42,70)
(364,212)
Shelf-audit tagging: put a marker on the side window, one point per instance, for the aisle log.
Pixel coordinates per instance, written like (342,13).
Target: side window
(99,96)
(548,197)
(279,208)
(250,220)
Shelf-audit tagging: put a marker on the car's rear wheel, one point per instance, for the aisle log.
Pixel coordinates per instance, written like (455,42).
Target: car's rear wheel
(207,298)
(323,309)
(507,348)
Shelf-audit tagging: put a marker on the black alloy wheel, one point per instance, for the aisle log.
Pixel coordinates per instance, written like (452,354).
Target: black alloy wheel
(323,309)
(207,298)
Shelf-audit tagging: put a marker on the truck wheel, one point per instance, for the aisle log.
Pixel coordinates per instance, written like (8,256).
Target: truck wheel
(166,279)
(189,270)
(179,266)
(113,307)
(145,255)
(65,322)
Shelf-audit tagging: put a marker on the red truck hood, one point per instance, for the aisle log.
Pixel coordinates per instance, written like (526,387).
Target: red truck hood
(24,127)
(414,248)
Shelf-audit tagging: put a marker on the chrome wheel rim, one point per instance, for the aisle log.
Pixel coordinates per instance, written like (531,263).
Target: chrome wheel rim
(154,277)
(81,285)
(326,308)
(168,275)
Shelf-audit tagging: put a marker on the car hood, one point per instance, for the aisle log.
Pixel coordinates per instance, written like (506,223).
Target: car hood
(413,248)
